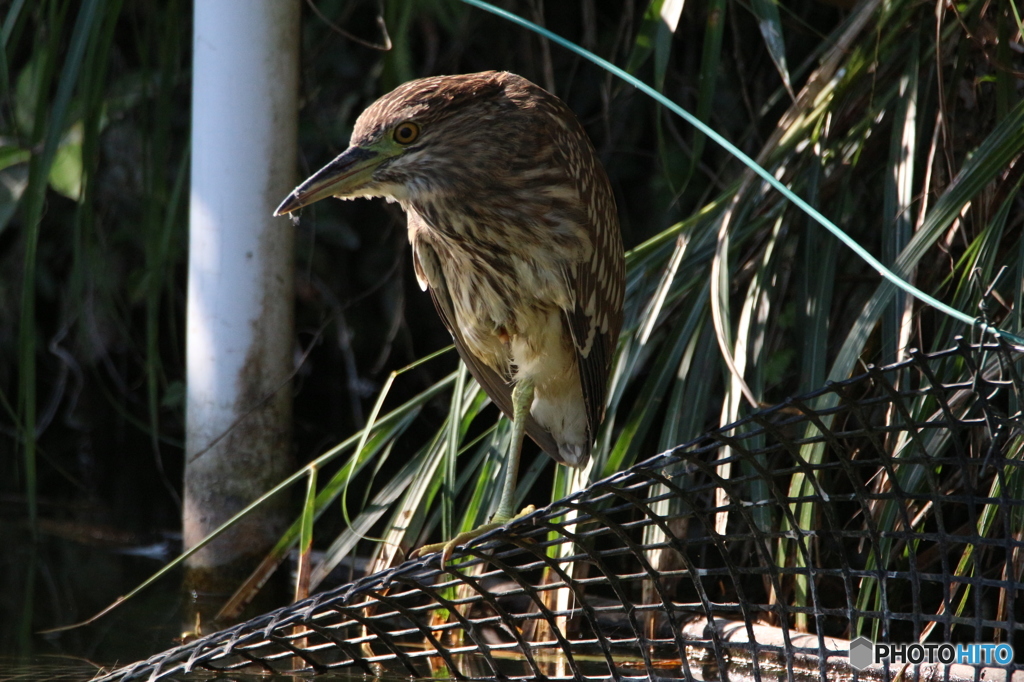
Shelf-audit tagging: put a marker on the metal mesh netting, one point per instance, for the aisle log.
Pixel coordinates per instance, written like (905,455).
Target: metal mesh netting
(889,506)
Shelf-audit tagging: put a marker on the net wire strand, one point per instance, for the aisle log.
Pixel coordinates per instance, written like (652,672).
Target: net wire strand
(892,509)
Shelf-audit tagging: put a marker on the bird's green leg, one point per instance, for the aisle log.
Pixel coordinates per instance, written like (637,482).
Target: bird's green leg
(522,398)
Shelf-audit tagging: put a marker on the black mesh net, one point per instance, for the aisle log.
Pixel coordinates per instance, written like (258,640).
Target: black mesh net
(889,506)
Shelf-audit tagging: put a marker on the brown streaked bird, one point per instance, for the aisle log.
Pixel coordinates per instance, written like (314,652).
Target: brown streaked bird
(515,235)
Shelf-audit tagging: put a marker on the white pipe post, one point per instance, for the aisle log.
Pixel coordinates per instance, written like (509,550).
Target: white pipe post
(240,276)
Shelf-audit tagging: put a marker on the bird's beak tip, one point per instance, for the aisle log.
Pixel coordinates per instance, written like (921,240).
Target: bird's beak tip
(338,178)
(291,203)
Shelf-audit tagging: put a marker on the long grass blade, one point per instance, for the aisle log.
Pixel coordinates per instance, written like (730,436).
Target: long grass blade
(770,25)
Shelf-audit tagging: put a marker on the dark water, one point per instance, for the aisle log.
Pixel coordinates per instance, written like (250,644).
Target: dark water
(43,668)
(72,571)
(67,669)
(67,574)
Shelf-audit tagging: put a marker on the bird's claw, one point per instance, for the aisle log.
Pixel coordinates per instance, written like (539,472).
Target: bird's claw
(446,548)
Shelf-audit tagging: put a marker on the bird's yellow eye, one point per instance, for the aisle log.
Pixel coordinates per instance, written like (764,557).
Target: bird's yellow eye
(406,133)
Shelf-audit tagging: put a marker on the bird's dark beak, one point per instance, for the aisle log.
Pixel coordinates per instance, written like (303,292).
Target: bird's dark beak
(342,177)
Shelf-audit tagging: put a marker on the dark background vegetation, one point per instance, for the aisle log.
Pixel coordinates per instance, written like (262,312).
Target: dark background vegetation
(100,260)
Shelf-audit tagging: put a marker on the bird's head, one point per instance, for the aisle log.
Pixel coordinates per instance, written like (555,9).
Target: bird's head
(447,134)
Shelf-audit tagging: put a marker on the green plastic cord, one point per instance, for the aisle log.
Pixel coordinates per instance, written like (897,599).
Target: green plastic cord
(765,175)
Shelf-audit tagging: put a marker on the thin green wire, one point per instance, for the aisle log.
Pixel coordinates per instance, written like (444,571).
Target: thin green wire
(765,175)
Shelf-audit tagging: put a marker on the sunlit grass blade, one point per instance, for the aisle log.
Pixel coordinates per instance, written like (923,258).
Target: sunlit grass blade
(898,204)
(646,38)
(768,21)
(387,428)
(710,64)
(640,419)
(306,538)
(1004,143)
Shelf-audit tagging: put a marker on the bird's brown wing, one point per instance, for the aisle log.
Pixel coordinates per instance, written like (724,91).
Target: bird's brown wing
(428,272)
(594,350)
(598,281)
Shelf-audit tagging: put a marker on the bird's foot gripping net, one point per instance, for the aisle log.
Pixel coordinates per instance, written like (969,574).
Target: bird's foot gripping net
(889,506)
